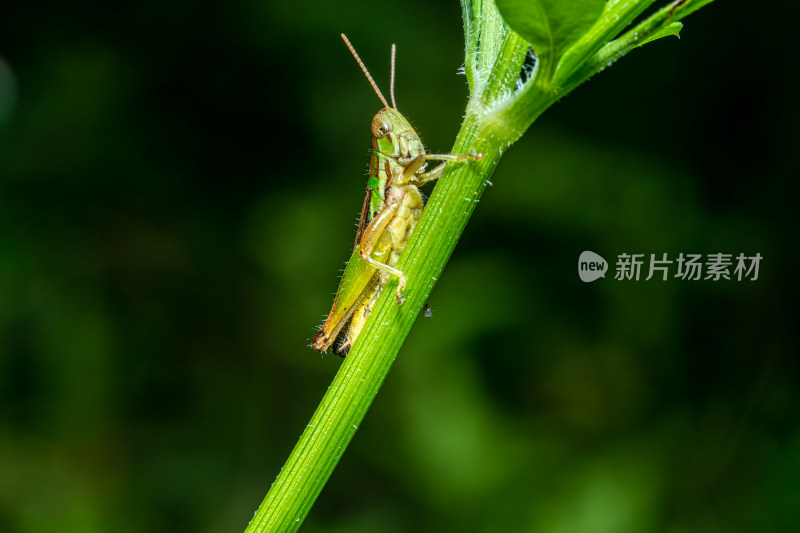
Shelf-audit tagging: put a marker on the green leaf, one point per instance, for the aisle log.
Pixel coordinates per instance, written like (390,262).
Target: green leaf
(617,15)
(550,26)
(666,31)
(662,23)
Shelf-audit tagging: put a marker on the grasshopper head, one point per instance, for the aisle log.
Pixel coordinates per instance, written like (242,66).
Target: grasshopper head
(392,134)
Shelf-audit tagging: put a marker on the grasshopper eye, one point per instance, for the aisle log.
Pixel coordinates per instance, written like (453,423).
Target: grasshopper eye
(381,126)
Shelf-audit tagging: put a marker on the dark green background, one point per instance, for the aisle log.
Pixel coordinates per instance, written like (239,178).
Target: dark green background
(179,186)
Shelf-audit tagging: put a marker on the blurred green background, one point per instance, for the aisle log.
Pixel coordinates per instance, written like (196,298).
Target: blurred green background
(179,187)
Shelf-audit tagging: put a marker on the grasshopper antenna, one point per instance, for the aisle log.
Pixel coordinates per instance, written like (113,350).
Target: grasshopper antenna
(364,69)
(391,84)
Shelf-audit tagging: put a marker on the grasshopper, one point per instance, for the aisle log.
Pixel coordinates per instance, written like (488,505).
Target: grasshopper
(391,209)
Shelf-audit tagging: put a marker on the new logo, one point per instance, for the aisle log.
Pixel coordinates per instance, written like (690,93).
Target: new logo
(591,266)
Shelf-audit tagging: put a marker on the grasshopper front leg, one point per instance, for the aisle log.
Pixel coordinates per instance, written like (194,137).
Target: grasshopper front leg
(370,239)
(414,164)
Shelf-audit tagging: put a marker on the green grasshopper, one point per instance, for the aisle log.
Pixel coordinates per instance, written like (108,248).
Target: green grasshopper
(392,207)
